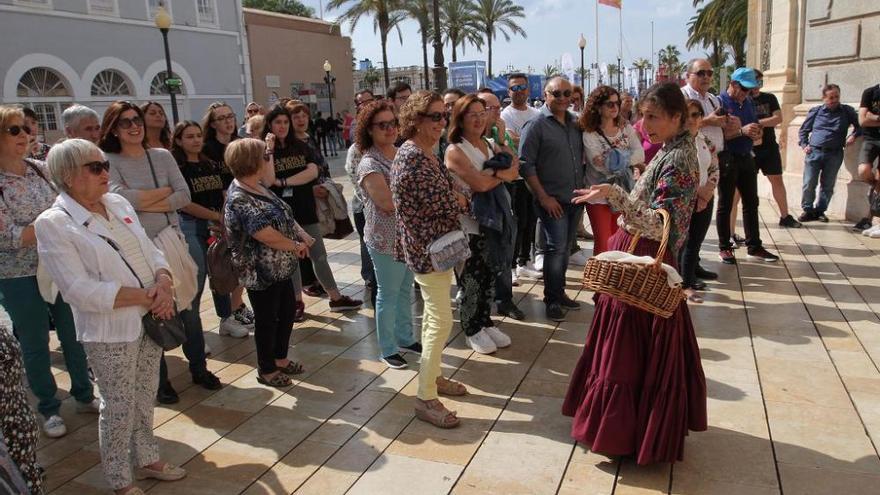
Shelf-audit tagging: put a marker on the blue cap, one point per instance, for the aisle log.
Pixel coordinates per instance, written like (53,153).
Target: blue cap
(746,77)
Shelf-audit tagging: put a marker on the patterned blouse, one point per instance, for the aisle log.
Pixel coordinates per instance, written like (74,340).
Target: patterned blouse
(22,199)
(669,182)
(247,213)
(425,205)
(380,229)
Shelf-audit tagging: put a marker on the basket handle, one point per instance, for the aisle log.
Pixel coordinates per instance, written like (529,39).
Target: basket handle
(664,241)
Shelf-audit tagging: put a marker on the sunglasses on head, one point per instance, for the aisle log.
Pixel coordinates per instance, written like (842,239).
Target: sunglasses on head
(704,73)
(127,123)
(15,130)
(560,93)
(97,167)
(436,116)
(519,87)
(386,125)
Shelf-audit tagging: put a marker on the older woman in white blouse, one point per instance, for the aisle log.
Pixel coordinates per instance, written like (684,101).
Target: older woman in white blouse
(111,274)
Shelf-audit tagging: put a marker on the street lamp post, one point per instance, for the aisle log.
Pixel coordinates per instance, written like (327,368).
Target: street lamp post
(439,66)
(582,43)
(619,85)
(329,80)
(163,22)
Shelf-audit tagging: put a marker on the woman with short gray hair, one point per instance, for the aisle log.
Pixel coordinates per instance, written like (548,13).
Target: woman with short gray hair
(102,260)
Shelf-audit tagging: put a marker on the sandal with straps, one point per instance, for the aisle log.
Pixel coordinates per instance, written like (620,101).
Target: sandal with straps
(292,368)
(450,387)
(437,415)
(280,380)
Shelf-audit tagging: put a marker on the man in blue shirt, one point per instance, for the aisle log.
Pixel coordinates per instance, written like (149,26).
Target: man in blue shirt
(823,135)
(737,167)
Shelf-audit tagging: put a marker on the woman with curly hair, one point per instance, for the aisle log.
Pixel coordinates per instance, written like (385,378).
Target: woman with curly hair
(612,150)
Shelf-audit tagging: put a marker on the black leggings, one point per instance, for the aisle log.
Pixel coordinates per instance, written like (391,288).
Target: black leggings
(690,254)
(273,322)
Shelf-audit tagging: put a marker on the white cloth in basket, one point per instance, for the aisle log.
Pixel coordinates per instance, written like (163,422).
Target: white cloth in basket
(672,277)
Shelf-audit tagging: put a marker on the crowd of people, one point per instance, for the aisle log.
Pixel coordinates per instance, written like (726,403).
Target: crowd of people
(106,236)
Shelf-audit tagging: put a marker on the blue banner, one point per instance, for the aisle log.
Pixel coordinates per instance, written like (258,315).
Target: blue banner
(467,76)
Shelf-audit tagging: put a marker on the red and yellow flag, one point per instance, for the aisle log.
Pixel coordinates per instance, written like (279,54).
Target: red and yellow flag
(611,3)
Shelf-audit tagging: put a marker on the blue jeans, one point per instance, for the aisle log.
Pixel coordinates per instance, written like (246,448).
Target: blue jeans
(558,234)
(394,283)
(820,166)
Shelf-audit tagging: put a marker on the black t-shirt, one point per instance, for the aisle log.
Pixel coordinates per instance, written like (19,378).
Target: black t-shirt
(871,101)
(214,150)
(320,126)
(289,161)
(765,105)
(205,183)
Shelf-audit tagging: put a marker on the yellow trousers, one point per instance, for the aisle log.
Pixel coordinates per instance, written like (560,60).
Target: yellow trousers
(436,325)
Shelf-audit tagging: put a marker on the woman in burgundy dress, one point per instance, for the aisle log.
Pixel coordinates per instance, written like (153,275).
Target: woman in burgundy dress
(639,385)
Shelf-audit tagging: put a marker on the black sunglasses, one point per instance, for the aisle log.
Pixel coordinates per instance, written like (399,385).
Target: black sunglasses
(97,167)
(15,130)
(611,104)
(704,73)
(519,87)
(435,116)
(560,93)
(386,125)
(127,123)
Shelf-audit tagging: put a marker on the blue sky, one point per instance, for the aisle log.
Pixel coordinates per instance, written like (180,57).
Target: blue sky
(552,28)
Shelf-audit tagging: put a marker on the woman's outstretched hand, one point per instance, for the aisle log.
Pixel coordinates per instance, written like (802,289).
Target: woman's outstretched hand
(593,194)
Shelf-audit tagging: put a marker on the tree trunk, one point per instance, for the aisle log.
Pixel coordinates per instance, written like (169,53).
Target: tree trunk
(489,42)
(454,53)
(425,59)
(384,36)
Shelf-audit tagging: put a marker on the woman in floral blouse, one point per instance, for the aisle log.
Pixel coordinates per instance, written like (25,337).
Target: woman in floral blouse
(25,192)
(427,207)
(639,385)
(265,241)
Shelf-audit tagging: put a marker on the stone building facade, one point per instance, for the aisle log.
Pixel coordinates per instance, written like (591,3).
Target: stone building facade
(412,75)
(801,45)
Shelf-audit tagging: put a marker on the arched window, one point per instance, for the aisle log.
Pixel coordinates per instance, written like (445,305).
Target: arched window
(157,85)
(110,82)
(44,90)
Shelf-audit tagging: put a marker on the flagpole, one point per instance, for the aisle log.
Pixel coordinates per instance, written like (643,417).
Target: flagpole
(619,45)
(598,74)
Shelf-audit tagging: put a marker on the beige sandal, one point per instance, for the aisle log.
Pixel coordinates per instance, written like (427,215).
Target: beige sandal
(450,387)
(434,412)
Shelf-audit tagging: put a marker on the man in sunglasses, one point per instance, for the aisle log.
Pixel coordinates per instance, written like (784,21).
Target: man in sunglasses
(738,170)
(699,80)
(551,160)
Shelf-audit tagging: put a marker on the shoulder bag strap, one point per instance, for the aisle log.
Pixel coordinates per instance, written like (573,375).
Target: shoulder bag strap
(599,130)
(39,172)
(156,181)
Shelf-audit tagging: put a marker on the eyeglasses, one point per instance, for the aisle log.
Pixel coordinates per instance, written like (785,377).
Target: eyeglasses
(611,104)
(97,168)
(435,116)
(695,115)
(704,73)
(225,118)
(15,130)
(127,123)
(252,110)
(519,87)
(476,115)
(560,93)
(386,125)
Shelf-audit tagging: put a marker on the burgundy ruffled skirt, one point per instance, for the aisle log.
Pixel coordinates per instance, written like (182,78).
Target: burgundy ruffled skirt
(639,385)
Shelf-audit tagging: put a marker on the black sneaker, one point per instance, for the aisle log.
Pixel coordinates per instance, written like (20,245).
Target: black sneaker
(166,394)
(569,303)
(822,218)
(761,254)
(554,312)
(510,310)
(698,285)
(415,347)
(704,274)
(207,380)
(314,290)
(807,216)
(299,312)
(790,222)
(863,224)
(395,361)
(737,239)
(727,257)
(345,303)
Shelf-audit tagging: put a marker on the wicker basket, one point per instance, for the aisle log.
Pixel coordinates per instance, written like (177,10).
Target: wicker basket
(639,285)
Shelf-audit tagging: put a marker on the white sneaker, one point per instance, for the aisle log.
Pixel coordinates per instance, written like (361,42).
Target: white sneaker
(93,407)
(539,262)
(207,349)
(458,296)
(54,427)
(578,259)
(482,343)
(229,326)
(875,234)
(870,230)
(527,272)
(514,279)
(500,338)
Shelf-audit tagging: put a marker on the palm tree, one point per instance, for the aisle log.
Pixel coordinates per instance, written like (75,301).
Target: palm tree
(422,12)
(641,64)
(495,16)
(668,56)
(459,25)
(551,70)
(720,23)
(612,73)
(371,77)
(387,15)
